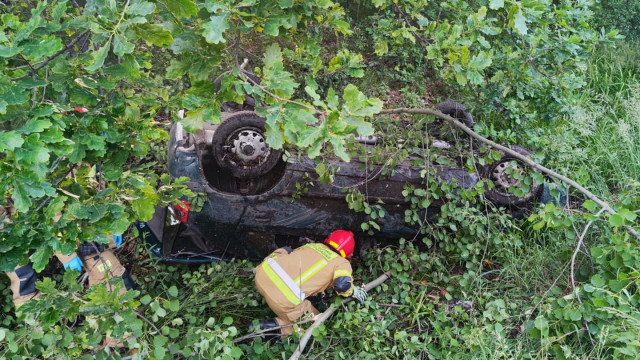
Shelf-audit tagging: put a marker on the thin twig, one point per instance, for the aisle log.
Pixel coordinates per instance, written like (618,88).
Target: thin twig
(580,241)
(147,321)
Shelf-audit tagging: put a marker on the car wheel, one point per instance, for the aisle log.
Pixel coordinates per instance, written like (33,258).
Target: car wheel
(442,128)
(498,173)
(239,145)
(249,102)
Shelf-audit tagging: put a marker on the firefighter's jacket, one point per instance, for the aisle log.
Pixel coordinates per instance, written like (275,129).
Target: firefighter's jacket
(305,272)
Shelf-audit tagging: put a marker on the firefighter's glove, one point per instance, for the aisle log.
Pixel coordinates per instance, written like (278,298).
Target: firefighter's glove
(359,294)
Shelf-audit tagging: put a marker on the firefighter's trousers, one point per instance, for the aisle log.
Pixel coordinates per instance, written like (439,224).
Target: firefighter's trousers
(286,312)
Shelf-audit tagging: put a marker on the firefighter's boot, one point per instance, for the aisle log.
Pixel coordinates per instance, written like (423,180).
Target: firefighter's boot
(272,335)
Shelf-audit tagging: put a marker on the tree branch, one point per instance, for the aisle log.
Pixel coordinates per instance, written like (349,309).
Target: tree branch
(46,61)
(327,314)
(514,154)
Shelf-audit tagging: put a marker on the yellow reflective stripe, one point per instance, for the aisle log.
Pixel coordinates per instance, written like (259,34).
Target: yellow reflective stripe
(312,270)
(284,289)
(343,254)
(339,273)
(346,293)
(101,267)
(323,250)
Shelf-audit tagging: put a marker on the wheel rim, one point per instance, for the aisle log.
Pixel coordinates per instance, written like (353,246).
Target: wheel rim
(503,180)
(246,147)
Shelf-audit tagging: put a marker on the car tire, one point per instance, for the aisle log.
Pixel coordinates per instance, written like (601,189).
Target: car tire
(249,102)
(499,194)
(232,140)
(456,110)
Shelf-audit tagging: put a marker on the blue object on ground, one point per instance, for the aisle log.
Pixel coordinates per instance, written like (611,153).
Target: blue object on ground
(546,197)
(73,264)
(117,239)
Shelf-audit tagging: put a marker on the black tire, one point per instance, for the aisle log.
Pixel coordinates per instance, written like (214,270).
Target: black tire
(249,102)
(229,140)
(499,194)
(455,110)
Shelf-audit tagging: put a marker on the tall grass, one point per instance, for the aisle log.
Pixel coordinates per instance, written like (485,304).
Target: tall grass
(599,140)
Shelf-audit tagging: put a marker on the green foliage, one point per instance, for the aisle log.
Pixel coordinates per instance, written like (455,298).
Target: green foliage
(621,15)
(462,288)
(111,59)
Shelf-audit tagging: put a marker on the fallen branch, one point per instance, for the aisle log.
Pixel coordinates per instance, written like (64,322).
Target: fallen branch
(327,314)
(514,154)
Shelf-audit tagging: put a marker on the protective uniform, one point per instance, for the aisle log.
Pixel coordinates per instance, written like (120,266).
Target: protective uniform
(98,265)
(287,278)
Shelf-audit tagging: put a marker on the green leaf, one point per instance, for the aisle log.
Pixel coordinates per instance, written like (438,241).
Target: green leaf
(496,4)
(10,140)
(332,99)
(42,47)
(573,314)
(194,120)
(143,208)
(338,148)
(98,57)
(173,291)
(213,30)
(177,68)
(93,141)
(20,196)
(236,352)
(351,95)
(597,281)
(520,23)
(153,34)
(627,214)
(285,4)
(541,323)
(272,56)
(121,46)
(16,95)
(181,8)
(227,321)
(589,205)
(41,257)
(54,207)
(6,51)
(34,126)
(141,8)
(145,299)
(616,220)
(618,285)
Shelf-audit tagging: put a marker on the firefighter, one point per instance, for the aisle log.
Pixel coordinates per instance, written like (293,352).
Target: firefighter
(286,279)
(98,260)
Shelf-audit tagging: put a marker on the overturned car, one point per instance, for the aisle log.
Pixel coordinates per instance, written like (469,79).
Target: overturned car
(250,190)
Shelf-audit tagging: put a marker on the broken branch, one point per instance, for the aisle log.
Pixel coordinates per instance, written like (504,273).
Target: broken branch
(514,154)
(327,314)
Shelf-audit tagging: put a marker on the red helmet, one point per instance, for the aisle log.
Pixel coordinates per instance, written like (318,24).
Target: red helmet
(342,241)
